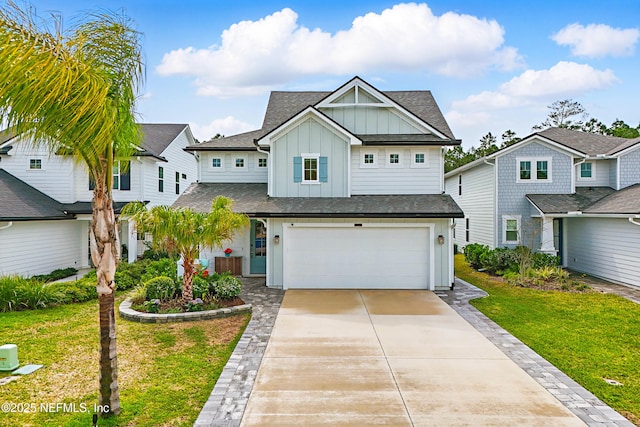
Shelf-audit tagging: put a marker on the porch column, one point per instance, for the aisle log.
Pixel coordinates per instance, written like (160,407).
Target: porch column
(546,240)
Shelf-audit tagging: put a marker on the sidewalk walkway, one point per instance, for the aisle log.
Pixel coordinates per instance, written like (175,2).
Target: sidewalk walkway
(227,402)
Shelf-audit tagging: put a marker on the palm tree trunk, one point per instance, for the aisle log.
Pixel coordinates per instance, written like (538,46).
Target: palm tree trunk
(187,280)
(105,245)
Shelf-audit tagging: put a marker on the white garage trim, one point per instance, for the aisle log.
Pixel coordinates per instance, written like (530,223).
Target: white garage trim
(288,233)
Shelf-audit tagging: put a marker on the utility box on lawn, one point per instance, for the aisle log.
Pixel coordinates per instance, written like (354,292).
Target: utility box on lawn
(8,357)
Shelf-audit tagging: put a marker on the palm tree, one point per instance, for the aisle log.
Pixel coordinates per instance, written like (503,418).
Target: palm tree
(186,232)
(74,92)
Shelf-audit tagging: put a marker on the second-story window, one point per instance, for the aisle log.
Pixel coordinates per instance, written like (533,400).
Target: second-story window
(35,164)
(310,169)
(534,170)
(394,159)
(240,162)
(262,162)
(160,179)
(459,185)
(216,162)
(177,182)
(121,176)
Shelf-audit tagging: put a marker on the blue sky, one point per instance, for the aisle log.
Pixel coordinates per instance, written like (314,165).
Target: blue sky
(491,65)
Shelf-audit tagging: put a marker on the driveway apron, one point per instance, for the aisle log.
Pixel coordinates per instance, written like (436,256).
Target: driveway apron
(404,358)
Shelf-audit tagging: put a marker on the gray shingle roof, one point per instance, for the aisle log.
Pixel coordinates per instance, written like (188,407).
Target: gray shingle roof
(156,137)
(282,106)
(252,199)
(21,202)
(588,143)
(625,201)
(590,200)
(563,203)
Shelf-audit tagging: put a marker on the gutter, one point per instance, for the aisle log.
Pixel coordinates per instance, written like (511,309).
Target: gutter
(632,220)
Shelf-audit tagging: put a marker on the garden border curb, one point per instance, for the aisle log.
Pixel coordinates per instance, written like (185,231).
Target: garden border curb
(126,312)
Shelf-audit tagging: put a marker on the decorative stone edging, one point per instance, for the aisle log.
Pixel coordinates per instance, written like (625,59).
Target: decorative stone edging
(126,312)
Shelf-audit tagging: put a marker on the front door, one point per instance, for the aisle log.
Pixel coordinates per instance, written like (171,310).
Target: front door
(558,240)
(258,256)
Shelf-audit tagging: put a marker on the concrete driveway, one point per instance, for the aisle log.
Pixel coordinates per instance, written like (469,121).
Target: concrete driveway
(403,358)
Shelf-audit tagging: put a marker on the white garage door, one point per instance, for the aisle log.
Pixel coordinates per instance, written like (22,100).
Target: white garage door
(357,257)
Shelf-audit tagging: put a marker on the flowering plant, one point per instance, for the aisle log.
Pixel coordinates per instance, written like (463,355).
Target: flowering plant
(228,251)
(194,305)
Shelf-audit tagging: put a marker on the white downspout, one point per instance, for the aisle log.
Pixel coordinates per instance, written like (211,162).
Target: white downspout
(260,150)
(632,220)
(4,227)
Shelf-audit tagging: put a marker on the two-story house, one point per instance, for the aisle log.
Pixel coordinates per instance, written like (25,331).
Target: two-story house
(45,199)
(564,192)
(345,189)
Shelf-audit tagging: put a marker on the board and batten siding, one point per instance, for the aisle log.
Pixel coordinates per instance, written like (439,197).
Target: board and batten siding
(404,178)
(604,247)
(629,169)
(312,137)
(443,269)
(251,173)
(39,247)
(54,179)
(371,120)
(477,202)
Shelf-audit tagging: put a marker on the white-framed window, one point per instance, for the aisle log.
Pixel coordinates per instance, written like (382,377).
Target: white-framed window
(262,162)
(369,159)
(177,182)
(121,179)
(511,229)
(587,171)
(310,168)
(534,169)
(419,159)
(35,164)
(394,159)
(240,163)
(160,179)
(217,163)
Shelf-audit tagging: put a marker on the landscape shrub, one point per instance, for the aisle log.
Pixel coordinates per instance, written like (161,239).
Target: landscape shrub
(34,294)
(498,261)
(58,274)
(8,292)
(541,260)
(200,286)
(472,254)
(162,288)
(227,287)
(76,291)
(166,267)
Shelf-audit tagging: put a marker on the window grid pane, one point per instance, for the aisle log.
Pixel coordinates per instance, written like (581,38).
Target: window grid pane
(35,164)
(262,163)
(310,169)
(511,233)
(541,169)
(585,170)
(419,158)
(368,159)
(525,170)
(240,163)
(216,163)
(394,159)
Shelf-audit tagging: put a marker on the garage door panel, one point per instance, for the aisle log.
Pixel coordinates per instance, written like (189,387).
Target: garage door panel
(358,257)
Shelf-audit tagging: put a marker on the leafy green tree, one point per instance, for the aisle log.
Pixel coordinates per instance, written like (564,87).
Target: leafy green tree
(621,129)
(487,146)
(594,125)
(74,93)
(456,157)
(185,232)
(563,115)
(509,137)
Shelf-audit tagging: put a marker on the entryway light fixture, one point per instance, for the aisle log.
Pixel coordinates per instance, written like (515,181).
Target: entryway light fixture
(441,239)
(276,239)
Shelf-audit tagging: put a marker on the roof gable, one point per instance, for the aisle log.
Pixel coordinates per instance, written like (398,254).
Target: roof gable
(22,202)
(156,137)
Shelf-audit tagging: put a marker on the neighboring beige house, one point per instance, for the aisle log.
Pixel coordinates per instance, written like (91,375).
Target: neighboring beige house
(45,200)
(345,189)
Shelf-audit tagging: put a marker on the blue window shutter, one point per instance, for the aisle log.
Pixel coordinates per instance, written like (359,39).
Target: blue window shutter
(297,169)
(324,170)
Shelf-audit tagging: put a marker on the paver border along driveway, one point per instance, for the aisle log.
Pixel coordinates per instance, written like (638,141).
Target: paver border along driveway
(371,357)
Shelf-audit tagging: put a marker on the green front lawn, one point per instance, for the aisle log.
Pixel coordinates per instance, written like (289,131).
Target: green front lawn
(588,336)
(166,371)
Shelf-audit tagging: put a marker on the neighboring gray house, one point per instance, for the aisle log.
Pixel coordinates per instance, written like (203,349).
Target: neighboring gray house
(45,200)
(558,191)
(344,189)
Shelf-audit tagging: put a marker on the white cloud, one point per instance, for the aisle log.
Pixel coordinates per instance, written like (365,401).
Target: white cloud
(226,126)
(565,79)
(597,40)
(257,55)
